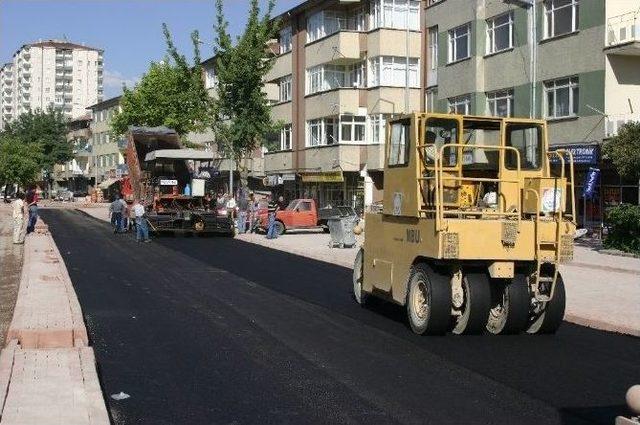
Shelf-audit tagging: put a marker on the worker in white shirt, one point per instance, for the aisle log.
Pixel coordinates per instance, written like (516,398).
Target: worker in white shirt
(142,230)
(19,228)
(490,198)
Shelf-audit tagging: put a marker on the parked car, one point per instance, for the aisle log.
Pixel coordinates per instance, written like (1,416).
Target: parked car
(303,214)
(64,195)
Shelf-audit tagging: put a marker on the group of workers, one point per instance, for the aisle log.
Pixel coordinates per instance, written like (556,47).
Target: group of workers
(25,214)
(122,216)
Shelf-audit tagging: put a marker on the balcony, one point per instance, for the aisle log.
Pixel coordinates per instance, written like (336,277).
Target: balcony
(623,35)
(281,67)
(341,48)
(391,100)
(278,161)
(332,102)
(333,157)
(282,112)
(615,122)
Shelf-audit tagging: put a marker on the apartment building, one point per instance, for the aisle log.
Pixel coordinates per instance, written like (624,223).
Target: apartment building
(52,73)
(573,62)
(6,94)
(343,68)
(107,160)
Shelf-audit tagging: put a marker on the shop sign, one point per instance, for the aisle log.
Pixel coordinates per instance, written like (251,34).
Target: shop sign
(288,177)
(582,154)
(328,177)
(168,182)
(273,180)
(590,182)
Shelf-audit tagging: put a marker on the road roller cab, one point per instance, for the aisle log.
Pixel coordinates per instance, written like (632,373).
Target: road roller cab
(477,216)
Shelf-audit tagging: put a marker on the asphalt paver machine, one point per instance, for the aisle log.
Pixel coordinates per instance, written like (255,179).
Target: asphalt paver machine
(161,174)
(477,216)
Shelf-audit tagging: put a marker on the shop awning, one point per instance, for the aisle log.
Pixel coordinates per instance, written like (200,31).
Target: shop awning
(179,154)
(327,177)
(107,183)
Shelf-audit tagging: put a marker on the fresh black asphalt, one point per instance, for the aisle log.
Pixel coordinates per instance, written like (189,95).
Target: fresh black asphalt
(219,331)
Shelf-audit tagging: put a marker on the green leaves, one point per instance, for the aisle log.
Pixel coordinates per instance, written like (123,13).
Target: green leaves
(624,150)
(242,113)
(45,130)
(624,228)
(171,93)
(19,162)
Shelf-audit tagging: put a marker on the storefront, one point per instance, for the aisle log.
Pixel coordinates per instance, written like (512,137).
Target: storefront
(610,189)
(326,188)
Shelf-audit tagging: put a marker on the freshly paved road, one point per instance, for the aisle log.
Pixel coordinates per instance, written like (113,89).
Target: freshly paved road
(219,331)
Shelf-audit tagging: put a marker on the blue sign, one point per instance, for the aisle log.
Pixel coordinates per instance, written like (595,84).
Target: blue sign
(590,183)
(582,154)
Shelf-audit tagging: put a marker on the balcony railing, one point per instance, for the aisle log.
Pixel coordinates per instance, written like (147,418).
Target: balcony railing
(615,122)
(623,29)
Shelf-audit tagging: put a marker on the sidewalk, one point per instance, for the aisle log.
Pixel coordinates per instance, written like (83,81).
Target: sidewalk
(47,370)
(603,291)
(11,261)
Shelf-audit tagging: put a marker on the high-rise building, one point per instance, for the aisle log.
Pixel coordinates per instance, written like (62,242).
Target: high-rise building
(52,73)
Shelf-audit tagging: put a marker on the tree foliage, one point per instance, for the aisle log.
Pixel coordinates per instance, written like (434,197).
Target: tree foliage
(242,113)
(46,130)
(171,94)
(624,150)
(19,162)
(624,228)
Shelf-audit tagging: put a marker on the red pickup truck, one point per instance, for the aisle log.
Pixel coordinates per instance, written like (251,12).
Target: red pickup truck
(303,214)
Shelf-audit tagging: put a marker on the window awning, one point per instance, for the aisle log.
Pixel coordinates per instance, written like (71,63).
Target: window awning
(179,154)
(107,183)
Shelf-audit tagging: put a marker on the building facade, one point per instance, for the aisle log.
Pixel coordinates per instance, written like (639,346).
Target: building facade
(56,74)
(342,70)
(575,63)
(106,158)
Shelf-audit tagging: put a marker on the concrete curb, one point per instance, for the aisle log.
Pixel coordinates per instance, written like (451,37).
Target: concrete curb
(601,325)
(47,312)
(47,370)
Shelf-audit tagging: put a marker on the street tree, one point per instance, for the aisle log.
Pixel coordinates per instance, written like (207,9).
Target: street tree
(171,94)
(48,131)
(20,163)
(242,113)
(624,150)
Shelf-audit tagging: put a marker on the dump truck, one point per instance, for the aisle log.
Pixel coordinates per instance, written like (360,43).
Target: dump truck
(475,223)
(161,176)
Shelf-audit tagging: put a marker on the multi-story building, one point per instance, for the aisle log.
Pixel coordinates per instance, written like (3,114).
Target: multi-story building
(56,74)
(106,160)
(6,94)
(574,63)
(342,70)
(74,175)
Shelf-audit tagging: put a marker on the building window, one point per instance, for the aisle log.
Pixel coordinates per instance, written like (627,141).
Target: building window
(377,126)
(561,17)
(329,77)
(325,23)
(433,48)
(392,71)
(284,86)
(352,128)
(500,33)
(395,14)
(500,103)
(562,98)
(285,138)
(460,105)
(430,100)
(322,131)
(210,79)
(285,40)
(460,43)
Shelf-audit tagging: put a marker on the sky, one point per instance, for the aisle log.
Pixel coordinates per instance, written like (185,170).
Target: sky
(129,31)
